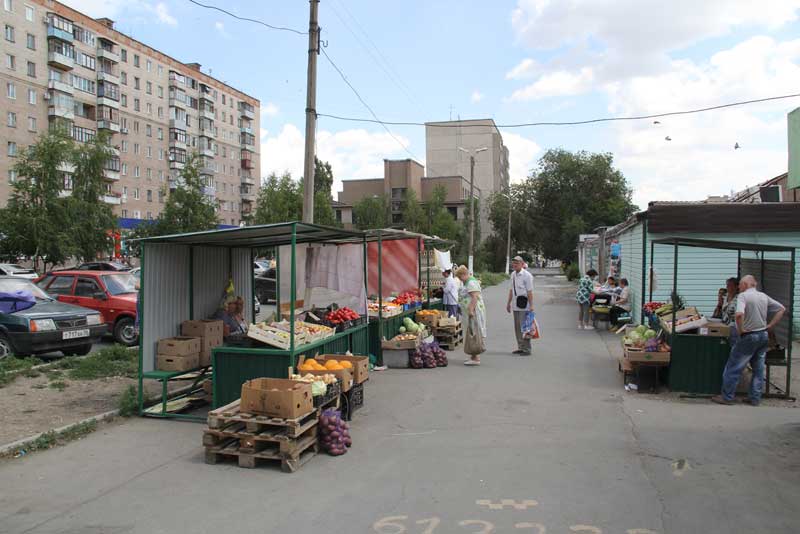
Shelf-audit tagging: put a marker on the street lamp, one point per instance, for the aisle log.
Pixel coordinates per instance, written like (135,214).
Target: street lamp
(471,245)
(508,244)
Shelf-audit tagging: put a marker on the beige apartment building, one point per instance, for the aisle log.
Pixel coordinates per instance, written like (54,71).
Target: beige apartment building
(61,66)
(398,177)
(443,157)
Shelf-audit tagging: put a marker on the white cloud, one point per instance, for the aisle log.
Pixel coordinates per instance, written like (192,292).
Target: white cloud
(476,97)
(220,27)
(354,153)
(164,16)
(270,110)
(526,68)
(117,10)
(559,83)
(522,155)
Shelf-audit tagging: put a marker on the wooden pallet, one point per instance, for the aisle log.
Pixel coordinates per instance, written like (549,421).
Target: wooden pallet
(301,451)
(450,339)
(451,345)
(253,442)
(221,417)
(447,332)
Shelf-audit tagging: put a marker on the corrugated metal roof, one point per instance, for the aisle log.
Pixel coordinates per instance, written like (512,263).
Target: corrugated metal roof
(721,245)
(268,235)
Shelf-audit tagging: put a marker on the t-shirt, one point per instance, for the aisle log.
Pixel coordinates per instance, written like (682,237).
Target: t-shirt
(755,306)
(625,293)
(521,283)
(450,292)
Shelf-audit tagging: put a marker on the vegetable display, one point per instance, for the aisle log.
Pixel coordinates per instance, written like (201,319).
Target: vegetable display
(334,433)
(342,315)
(408,297)
(428,356)
(410,326)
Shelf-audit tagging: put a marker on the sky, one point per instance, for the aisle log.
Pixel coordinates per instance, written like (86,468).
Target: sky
(514,61)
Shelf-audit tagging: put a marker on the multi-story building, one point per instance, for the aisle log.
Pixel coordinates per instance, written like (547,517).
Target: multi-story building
(61,66)
(398,177)
(443,157)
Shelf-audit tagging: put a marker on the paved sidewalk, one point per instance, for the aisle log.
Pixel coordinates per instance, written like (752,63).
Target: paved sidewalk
(550,439)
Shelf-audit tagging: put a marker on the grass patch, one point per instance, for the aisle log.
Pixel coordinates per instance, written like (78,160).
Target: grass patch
(128,403)
(60,385)
(11,367)
(491,279)
(48,440)
(113,361)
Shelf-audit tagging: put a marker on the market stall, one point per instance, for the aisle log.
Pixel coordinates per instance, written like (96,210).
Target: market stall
(185,276)
(699,346)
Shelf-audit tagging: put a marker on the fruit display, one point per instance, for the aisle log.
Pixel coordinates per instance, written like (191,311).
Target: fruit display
(410,326)
(408,297)
(309,378)
(646,339)
(428,356)
(651,307)
(387,309)
(334,433)
(404,337)
(342,315)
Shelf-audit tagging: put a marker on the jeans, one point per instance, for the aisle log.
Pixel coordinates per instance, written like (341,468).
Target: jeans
(583,312)
(615,312)
(523,343)
(752,348)
(452,309)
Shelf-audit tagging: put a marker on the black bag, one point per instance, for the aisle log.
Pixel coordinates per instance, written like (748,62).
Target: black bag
(521,300)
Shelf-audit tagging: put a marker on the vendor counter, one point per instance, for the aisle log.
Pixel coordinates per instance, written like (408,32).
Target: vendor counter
(697,362)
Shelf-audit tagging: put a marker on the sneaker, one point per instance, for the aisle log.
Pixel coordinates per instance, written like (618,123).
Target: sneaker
(719,399)
(471,362)
(588,327)
(517,352)
(525,353)
(751,402)
(580,326)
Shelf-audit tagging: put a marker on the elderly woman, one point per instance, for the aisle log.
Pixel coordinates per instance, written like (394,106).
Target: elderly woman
(472,308)
(232,317)
(584,298)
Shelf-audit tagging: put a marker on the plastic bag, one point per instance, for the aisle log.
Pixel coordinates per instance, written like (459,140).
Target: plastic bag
(473,341)
(334,432)
(530,326)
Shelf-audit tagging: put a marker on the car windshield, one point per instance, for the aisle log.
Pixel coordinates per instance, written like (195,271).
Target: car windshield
(119,284)
(10,285)
(14,267)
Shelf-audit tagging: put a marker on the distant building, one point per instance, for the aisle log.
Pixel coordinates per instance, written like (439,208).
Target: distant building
(398,177)
(773,190)
(443,157)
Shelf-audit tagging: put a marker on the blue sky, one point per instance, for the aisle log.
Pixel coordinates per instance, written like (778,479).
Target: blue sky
(514,61)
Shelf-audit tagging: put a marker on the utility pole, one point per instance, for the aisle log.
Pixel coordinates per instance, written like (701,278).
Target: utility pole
(470,249)
(508,245)
(311,113)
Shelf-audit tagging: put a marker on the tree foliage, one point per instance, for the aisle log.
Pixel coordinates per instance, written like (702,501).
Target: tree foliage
(413,214)
(440,222)
(323,194)
(371,213)
(279,200)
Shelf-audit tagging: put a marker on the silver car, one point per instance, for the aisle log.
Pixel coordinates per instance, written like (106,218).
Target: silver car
(12,269)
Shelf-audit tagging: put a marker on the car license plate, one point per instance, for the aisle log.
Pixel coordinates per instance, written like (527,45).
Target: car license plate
(74,334)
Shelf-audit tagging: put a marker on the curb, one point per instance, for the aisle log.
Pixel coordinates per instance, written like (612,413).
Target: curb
(21,443)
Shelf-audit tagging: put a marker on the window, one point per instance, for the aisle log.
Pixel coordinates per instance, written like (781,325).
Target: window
(12,148)
(85,60)
(12,120)
(11,62)
(123,100)
(124,143)
(149,215)
(31,40)
(31,69)
(12,176)
(82,135)
(135,126)
(32,124)
(124,123)
(136,191)
(32,97)
(160,92)
(223,100)
(137,214)
(9,33)
(136,104)
(87,287)
(7,5)
(160,112)
(123,77)
(149,152)
(125,173)
(123,55)
(223,113)
(83,35)
(29,13)
(83,84)
(149,107)
(161,134)
(149,88)
(136,82)
(149,65)
(135,60)
(137,173)
(160,155)
(11,90)
(160,70)
(59,285)
(149,195)
(136,148)
(125,214)
(148,131)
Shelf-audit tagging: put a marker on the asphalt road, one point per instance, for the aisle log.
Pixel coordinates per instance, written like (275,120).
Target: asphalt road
(548,443)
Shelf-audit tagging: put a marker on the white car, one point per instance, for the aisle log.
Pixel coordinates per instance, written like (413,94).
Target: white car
(260,268)
(12,269)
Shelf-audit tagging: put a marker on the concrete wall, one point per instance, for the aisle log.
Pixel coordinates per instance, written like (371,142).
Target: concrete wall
(354,190)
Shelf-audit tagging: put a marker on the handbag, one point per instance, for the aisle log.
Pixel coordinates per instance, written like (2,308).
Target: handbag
(521,300)
(473,341)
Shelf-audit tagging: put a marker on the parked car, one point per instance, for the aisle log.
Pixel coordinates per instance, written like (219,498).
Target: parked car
(259,268)
(136,271)
(47,325)
(12,269)
(113,294)
(103,266)
(266,286)
(257,307)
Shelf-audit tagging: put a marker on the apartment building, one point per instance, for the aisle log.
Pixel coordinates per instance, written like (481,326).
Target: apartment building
(60,66)
(443,157)
(398,177)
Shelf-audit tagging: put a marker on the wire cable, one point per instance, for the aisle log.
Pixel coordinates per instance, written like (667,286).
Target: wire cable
(282,28)
(565,123)
(376,119)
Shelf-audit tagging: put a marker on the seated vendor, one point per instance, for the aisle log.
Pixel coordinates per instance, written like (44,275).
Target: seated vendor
(622,304)
(233,322)
(609,287)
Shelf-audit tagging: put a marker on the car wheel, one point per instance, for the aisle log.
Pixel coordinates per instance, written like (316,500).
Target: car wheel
(6,349)
(82,350)
(125,332)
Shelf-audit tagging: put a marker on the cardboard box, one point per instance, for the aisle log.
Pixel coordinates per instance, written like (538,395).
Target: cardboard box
(715,330)
(345,375)
(276,397)
(203,328)
(635,355)
(360,365)
(625,364)
(394,344)
(170,362)
(428,319)
(445,321)
(179,346)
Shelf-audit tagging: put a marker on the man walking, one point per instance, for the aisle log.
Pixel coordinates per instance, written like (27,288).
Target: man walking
(520,301)
(752,310)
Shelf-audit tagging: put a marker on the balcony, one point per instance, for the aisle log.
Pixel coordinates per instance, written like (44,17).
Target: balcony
(115,199)
(206,151)
(56,110)
(206,170)
(206,97)
(176,143)
(207,133)
(247,130)
(176,165)
(177,102)
(60,61)
(107,54)
(247,113)
(209,191)
(108,174)
(66,167)
(206,113)
(248,164)
(106,124)
(58,33)
(56,85)
(110,77)
(105,101)
(249,196)
(115,151)
(248,180)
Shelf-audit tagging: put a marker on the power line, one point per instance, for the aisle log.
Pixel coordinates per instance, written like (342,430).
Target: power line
(376,119)
(566,123)
(298,32)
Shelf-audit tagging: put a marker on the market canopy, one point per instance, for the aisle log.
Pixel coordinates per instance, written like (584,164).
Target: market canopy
(723,245)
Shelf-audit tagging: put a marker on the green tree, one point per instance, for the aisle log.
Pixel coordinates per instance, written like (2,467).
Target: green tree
(439,221)
(187,209)
(35,222)
(569,193)
(91,218)
(323,193)
(279,200)
(371,213)
(413,214)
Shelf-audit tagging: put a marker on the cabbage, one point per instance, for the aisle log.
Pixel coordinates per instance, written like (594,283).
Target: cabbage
(635,336)
(641,329)
(650,334)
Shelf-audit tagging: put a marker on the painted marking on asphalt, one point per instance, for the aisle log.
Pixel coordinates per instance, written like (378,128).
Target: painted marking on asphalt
(585,528)
(540,528)
(507,503)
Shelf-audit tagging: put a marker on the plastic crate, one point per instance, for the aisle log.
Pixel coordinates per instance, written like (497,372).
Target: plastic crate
(352,401)
(334,390)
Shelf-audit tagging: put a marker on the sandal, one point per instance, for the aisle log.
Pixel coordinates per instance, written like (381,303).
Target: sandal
(472,362)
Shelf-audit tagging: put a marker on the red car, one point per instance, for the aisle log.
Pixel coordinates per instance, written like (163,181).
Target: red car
(113,294)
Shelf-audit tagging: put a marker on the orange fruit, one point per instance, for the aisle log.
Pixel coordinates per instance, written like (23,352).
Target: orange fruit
(346,364)
(335,367)
(330,363)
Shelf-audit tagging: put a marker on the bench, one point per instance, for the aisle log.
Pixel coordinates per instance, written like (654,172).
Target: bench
(199,374)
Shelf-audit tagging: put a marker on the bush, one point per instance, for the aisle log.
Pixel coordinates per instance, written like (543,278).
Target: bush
(128,403)
(113,361)
(490,279)
(572,272)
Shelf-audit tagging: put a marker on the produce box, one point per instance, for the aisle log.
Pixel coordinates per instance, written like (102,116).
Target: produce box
(428,317)
(715,330)
(275,336)
(170,362)
(402,342)
(360,365)
(625,364)
(445,321)
(636,355)
(277,397)
(179,346)
(344,375)
(210,334)
(396,359)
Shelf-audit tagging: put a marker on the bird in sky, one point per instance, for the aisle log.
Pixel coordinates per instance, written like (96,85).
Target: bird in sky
(656,122)
(667,138)
(736,146)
